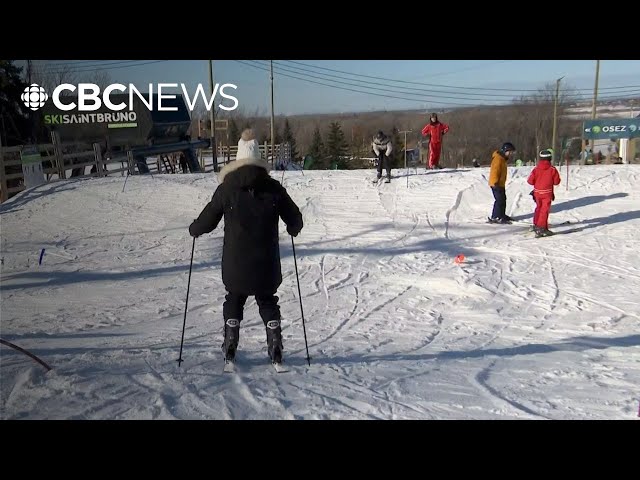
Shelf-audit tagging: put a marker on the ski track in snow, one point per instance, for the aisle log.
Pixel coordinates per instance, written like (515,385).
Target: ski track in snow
(524,328)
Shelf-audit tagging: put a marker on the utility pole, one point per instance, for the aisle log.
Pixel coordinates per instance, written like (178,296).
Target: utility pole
(595,91)
(31,126)
(405,154)
(273,158)
(593,115)
(555,120)
(212,119)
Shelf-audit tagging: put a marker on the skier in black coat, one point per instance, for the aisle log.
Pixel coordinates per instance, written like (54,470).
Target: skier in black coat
(383,147)
(252,203)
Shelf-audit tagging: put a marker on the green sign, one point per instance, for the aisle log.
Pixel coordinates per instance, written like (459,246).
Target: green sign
(122,125)
(611,128)
(31,166)
(30,154)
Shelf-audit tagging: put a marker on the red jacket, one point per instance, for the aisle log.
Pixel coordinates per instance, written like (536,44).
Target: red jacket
(436,130)
(543,177)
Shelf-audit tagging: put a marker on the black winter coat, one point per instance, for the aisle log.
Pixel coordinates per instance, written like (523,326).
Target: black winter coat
(252,204)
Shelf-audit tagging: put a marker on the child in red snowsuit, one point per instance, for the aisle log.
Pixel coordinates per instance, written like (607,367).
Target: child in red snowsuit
(543,178)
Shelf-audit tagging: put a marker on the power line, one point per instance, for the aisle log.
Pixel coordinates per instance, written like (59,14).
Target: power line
(422,97)
(409,88)
(422,101)
(83,63)
(441,85)
(71,70)
(351,89)
(490,96)
(475,67)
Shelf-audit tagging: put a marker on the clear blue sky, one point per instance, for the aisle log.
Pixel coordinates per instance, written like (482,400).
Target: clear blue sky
(295,96)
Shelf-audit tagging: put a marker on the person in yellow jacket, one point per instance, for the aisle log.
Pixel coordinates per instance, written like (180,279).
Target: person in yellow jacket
(497,182)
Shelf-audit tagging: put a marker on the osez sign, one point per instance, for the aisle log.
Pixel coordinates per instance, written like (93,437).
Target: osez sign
(611,128)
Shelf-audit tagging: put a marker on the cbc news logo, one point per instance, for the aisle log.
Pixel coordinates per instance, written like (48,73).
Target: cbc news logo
(34,96)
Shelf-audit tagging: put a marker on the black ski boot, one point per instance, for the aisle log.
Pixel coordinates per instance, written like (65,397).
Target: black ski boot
(231,339)
(274,341)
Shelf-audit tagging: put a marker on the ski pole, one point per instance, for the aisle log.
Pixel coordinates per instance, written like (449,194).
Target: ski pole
(300,297)
(186,303)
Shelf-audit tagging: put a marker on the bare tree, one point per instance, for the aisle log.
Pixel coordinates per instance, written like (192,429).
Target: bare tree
(538,109)
(50,76)
(99,77)
(64,74)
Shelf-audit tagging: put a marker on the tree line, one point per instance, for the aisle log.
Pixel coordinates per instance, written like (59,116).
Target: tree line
(344,140)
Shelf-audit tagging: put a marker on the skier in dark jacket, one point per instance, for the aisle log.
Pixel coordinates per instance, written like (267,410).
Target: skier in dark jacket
(383,147)
(252,203)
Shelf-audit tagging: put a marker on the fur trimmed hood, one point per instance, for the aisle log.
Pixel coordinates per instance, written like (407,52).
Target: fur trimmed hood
(241,162)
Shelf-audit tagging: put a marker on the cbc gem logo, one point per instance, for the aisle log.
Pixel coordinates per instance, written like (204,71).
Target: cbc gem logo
(34,96)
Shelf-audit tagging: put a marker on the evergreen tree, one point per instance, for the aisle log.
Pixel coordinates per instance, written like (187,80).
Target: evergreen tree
(289,138)
(317,149)
(336,147)
(15,127)
(234,132)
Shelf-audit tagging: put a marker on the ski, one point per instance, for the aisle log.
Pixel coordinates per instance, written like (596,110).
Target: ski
(523,223)
(280,367)
(229,367)
(380,181)
(562,232)
(489,220)
(530,230)
(553,225)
